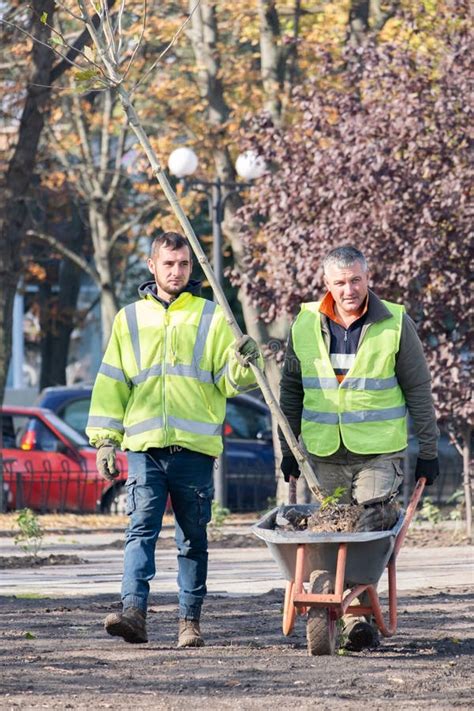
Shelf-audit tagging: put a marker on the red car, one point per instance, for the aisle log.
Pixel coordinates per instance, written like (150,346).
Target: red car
(48,466)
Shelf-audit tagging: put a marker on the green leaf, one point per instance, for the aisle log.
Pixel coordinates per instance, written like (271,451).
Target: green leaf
(85,74)
(44,18)
(29,635)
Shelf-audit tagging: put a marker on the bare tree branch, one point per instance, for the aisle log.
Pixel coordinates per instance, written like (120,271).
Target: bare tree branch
(83,40)
(167,48)
(149,207)
(140,39)
(66,252)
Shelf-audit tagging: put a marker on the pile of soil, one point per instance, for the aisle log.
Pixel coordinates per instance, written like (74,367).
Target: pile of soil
(36,561)
(335,518)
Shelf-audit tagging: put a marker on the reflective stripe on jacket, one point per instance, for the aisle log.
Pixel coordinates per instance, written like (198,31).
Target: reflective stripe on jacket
(165,377)
(368,408)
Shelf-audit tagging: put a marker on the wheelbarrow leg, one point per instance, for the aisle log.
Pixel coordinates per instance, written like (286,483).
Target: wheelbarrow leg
(289,610)
(292,587)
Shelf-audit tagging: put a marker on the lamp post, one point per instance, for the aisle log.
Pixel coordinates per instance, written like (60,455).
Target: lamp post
(182,163)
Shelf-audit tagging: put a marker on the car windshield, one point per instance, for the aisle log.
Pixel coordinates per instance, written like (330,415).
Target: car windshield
(66,430)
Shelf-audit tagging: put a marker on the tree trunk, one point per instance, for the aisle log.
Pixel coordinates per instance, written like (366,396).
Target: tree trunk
(466,456)
(270,58)
(101,239)
(358,26)
(18,177)
(58,324)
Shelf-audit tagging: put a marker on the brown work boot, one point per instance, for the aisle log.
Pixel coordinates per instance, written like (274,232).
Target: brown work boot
(129,624)
(189,634)
(362,636)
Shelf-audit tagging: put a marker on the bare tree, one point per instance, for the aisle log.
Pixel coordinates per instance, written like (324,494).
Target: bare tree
(43,72)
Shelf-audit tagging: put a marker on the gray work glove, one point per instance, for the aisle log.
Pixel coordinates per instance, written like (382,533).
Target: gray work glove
(378,517)
(106,459)
(246,351)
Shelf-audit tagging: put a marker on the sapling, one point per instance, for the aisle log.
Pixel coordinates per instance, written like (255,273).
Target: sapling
(30,537)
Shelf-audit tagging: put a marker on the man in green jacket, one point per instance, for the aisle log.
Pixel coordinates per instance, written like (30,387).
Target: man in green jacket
(354,368)
(160,394)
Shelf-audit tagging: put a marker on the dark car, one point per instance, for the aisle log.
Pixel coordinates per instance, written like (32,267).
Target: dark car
(249,459)
(48,466)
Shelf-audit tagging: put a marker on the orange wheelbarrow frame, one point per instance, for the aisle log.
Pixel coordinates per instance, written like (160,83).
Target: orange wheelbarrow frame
(338,604)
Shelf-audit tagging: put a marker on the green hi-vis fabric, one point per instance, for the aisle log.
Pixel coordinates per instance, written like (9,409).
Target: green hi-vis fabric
(165,377)
(367,410)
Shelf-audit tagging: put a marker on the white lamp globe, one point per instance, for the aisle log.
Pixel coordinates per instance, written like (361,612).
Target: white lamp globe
(182,162)
(250,166)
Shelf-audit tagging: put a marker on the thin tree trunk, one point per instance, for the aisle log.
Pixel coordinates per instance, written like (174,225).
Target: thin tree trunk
(270,58)
(102,252)
(358,26)
(466,457)
(58,322)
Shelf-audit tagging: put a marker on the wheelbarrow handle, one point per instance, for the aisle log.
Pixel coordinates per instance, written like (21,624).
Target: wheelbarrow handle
(410,512)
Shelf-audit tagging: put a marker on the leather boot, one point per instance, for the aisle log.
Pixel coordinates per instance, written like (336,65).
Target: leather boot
(129,624)
(361,635)
(189,634)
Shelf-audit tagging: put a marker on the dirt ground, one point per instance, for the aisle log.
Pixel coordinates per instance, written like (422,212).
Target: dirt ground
(55,654)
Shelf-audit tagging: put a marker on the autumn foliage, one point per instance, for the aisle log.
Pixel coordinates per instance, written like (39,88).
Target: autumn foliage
(376,156)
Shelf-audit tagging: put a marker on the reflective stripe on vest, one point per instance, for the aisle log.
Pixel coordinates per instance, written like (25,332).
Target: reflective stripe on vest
(367,410)
(159,366)
(188,371)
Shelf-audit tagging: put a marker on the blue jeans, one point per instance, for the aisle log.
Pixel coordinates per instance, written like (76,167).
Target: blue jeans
(187,478)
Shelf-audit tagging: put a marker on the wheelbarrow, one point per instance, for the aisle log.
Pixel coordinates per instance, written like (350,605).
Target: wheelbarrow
(326,572)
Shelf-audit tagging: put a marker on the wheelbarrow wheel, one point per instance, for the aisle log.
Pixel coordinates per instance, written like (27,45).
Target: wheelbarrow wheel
(321,627)
(289,610)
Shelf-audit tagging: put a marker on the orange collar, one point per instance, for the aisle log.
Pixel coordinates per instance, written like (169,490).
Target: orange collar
(327,308)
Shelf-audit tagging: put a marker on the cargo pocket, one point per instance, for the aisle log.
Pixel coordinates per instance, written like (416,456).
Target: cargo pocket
(205,497)
(399,476)
(130,487)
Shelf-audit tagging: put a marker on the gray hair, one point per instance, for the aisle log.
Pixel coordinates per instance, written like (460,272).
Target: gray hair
(344,257)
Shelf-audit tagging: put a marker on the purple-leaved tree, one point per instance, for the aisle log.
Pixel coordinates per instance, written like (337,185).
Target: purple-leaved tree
(377,156)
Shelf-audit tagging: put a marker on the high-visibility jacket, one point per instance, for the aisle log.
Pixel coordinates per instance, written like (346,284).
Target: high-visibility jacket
(367,410)
(165,377)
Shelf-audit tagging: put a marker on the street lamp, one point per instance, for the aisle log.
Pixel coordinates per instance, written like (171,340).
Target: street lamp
(182,163)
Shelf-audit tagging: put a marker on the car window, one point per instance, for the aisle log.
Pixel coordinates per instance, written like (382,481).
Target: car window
(76,414)
(28,433)
(8,432)
(66,430)
(244,421)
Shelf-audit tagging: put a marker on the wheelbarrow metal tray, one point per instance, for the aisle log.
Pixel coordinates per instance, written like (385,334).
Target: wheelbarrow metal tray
(367,553)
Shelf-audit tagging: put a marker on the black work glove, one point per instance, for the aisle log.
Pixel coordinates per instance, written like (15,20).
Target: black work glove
(106,459)
(428,468)
(289,467)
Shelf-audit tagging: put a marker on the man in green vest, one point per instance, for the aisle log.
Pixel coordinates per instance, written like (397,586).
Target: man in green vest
(354,368)
(160,394)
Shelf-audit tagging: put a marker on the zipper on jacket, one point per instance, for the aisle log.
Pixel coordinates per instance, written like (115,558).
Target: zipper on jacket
(163,377)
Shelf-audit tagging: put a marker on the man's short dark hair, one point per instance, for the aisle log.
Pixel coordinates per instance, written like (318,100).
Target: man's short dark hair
(344,257)
(172,240)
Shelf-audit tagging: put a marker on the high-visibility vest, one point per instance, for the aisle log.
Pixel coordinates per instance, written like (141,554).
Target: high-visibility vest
(165,377)
(367,410)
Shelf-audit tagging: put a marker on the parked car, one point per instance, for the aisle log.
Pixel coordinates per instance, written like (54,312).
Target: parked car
(249,458)
(49,466)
